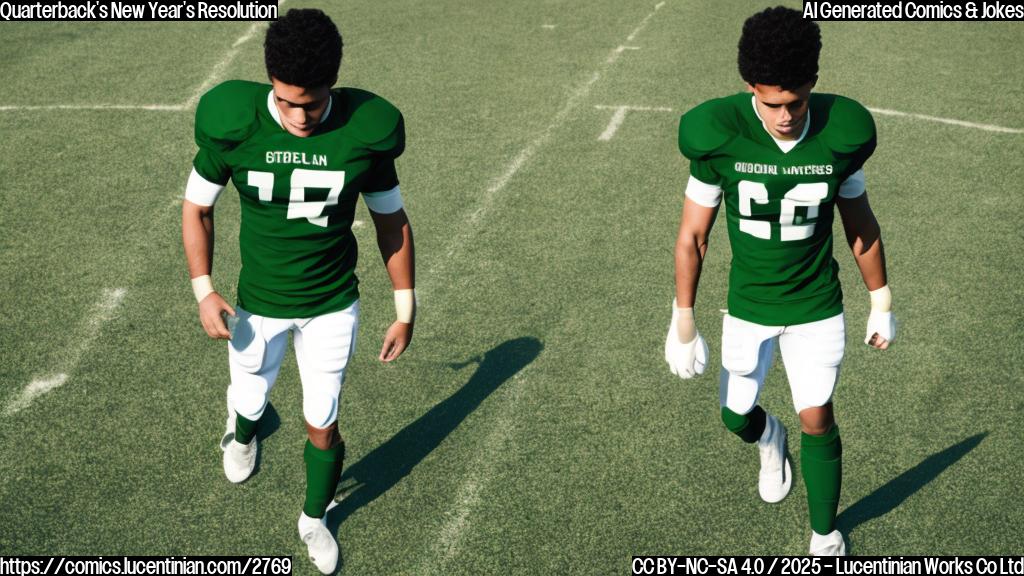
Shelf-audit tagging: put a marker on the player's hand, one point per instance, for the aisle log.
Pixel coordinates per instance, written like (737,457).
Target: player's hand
(396,340)
(210,310)
(881,329)
(685,359)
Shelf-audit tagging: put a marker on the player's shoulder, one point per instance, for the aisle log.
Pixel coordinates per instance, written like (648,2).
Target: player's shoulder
(228,112)
(710,125)
(846,124)
(368,117)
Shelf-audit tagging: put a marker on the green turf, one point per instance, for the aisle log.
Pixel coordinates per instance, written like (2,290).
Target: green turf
(533,427)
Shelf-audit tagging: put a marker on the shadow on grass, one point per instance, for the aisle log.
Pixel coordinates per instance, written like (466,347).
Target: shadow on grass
(894,492)
(375,473)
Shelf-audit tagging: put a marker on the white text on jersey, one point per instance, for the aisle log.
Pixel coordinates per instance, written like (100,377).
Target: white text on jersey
(279,157)
(806,170)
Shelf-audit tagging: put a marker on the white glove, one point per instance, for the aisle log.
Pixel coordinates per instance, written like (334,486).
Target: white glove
(881,320)
(685,359)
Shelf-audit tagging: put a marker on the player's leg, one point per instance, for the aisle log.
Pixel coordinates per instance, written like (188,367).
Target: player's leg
(254,356)
(812,354)
(747,351)
(323,346)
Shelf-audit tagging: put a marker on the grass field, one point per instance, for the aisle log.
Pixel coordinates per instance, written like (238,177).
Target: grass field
(533,427)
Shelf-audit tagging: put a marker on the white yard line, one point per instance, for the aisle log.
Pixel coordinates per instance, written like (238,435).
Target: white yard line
(527,153)
(954,122)
(482,470)
(210,80)
(618,52)
(112,298)
(447,545)
(101,314)
(620,116)
(219,68)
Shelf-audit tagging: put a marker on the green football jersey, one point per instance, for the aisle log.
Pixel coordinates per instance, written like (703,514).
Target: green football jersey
(298,195)
(779,205)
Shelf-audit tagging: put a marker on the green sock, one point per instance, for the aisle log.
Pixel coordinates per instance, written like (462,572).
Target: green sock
(748,427)
(821,461)
(245,429)
(323,469)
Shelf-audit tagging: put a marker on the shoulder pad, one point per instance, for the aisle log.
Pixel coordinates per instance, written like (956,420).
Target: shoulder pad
(706,128)
(371,119)
(849,127)
(226,114)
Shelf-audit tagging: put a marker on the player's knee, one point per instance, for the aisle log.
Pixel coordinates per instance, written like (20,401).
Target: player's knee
(817,420)
(324,438)
(737,393)
(320,410)
(247,402)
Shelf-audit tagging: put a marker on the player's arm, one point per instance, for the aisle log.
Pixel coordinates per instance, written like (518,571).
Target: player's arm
(394,238)
(691,246)
(197,238)
(864,236)
(685,350)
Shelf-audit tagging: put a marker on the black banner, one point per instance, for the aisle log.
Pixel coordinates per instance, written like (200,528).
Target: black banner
(804,565)
(130,565)
(916,10)
(137,10)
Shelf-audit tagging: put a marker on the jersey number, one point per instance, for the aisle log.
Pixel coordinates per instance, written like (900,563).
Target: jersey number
(806,195)
(298,206)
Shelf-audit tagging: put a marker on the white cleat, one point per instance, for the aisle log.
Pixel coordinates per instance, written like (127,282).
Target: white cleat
(776,477)
(831,544)
(239,459)
(321,545)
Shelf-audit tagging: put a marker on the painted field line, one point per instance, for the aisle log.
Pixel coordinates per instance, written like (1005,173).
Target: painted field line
(988,127)
(208,82)
(102,313)
(468,496)
(527,153)
(620,116)
(219,68)
(482,470)
(618,52)
(112,298)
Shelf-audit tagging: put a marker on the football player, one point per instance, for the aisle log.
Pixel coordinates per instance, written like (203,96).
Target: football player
(780,157)
(300,153)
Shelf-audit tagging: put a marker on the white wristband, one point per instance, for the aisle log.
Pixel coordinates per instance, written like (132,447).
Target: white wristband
(881,299)
(202,287)
(405,305)
(686,327)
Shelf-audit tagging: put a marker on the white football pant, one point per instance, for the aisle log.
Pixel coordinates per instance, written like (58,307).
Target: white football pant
(811,353)
(323,346)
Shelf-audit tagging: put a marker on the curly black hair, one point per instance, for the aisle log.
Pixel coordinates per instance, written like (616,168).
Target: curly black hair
(779,47)
(303,48)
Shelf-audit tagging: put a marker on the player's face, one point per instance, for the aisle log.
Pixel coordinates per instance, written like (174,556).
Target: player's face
(301,108)
(783,111)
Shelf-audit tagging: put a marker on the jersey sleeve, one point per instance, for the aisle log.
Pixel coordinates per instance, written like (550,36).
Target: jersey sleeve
(702,132)
(853,186)
(224,117)
(380,127)
(851,133)
(383,174)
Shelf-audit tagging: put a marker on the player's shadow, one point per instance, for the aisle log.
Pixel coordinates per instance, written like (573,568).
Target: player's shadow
(375,473)
(894,492)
